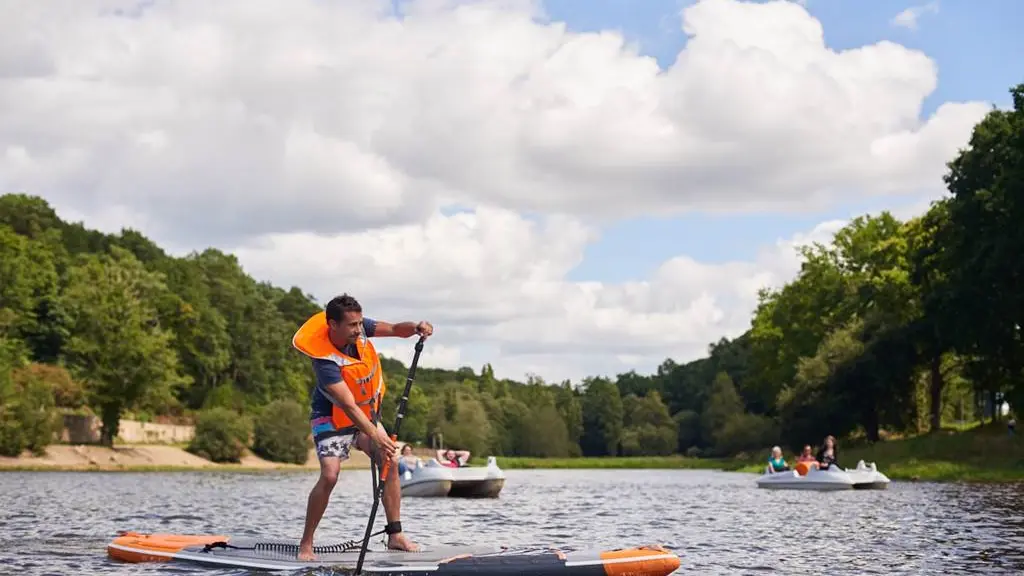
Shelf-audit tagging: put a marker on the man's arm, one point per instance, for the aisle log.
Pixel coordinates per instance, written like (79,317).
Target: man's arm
(342,396)
(402,329)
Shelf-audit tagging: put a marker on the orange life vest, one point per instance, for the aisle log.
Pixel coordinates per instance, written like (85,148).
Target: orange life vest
(364,376)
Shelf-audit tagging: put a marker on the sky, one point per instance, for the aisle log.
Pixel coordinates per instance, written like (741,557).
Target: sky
(565,188)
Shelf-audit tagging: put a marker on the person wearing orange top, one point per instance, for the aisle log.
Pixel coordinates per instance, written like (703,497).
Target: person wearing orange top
(806,455)
(806,462)
(349,390)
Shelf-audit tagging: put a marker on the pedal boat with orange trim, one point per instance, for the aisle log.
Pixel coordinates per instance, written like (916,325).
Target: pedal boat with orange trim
(805,476)
(224,551)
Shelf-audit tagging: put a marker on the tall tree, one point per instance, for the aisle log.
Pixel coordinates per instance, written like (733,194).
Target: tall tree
(984,239)
(602,418)
(117,344)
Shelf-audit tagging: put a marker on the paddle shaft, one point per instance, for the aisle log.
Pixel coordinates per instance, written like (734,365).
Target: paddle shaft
(386,464)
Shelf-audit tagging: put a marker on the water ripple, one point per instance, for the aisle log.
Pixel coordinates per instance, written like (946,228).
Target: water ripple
(719,523)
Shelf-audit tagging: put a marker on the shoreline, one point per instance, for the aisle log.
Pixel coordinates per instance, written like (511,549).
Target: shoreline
(152,458)
(911,469)
(171,458)
(898,465)
(254,464)
(673,462)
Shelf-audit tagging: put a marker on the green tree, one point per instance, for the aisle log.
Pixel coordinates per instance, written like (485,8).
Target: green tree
(28,294)
(281,432)
(648,428)
(571,412)
(808,409)
(789,324)
(723,404)
(689,429)
(117,344)
(417,410)
(602,418)
(935,326)
(982,241)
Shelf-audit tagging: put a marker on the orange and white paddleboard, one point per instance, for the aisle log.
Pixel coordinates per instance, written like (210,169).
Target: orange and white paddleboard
(252,553)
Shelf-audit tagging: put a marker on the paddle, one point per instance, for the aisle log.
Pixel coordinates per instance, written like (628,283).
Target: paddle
(378,489)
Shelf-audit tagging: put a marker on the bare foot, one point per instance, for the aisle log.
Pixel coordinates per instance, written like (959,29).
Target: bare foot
(306,553)
(401,542)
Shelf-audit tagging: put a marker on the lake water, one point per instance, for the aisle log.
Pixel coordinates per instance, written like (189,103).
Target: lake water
(719,523)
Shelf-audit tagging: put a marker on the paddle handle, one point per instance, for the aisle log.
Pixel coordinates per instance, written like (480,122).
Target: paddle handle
(385,468)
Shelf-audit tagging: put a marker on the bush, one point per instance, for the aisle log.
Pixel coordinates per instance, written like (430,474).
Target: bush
(281,433)
(649,440)
(221,435)
(688,426)
(28,417)
(743,432)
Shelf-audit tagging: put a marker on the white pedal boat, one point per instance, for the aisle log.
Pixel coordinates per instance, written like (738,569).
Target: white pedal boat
(867,477)
(477,481)
(432,480)
(822,480)
(834,478)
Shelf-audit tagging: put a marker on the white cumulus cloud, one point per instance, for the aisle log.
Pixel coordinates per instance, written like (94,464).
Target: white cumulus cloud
(494,284)
(221,120)
(327,143)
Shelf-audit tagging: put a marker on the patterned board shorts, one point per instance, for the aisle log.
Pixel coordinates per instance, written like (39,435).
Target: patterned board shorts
(330,444)
(335,446)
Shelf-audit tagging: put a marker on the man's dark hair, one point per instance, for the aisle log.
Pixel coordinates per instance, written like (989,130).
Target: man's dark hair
(338,305)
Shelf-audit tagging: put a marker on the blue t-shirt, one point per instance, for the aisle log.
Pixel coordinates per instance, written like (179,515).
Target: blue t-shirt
(327,373)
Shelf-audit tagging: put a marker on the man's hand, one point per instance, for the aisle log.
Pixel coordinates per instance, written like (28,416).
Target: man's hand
(424,328)
(384,442)
(403,329)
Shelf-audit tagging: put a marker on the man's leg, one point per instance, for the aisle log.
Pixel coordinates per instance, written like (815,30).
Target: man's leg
(330,451)
(392,499)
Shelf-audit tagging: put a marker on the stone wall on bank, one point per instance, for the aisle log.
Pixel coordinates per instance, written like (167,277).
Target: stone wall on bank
(85,429)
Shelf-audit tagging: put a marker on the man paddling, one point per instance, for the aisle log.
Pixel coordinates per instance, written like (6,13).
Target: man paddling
(349,382)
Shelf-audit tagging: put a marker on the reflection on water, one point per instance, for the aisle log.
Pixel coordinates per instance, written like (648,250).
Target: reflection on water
(719,523)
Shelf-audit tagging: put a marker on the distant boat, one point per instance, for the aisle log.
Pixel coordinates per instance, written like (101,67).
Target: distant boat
(805,477)
(431,479)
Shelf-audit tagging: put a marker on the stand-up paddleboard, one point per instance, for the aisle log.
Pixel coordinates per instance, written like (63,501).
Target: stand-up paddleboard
(255,554)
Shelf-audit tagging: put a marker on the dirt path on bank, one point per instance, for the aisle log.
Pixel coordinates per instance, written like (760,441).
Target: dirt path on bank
(151,456)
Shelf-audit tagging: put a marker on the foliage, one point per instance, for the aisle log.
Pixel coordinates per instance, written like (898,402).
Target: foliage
(221,435)
(28,418)
(281,432)
(116,342)
(890,328)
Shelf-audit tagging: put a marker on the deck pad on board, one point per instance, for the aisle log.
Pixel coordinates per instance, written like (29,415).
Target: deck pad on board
(252,552)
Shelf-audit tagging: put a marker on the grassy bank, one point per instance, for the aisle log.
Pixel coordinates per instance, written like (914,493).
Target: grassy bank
(959,454)
(981,454)
(638,462)
(978,454)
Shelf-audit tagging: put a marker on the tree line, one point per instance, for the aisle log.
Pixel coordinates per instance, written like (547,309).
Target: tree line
(892,327)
